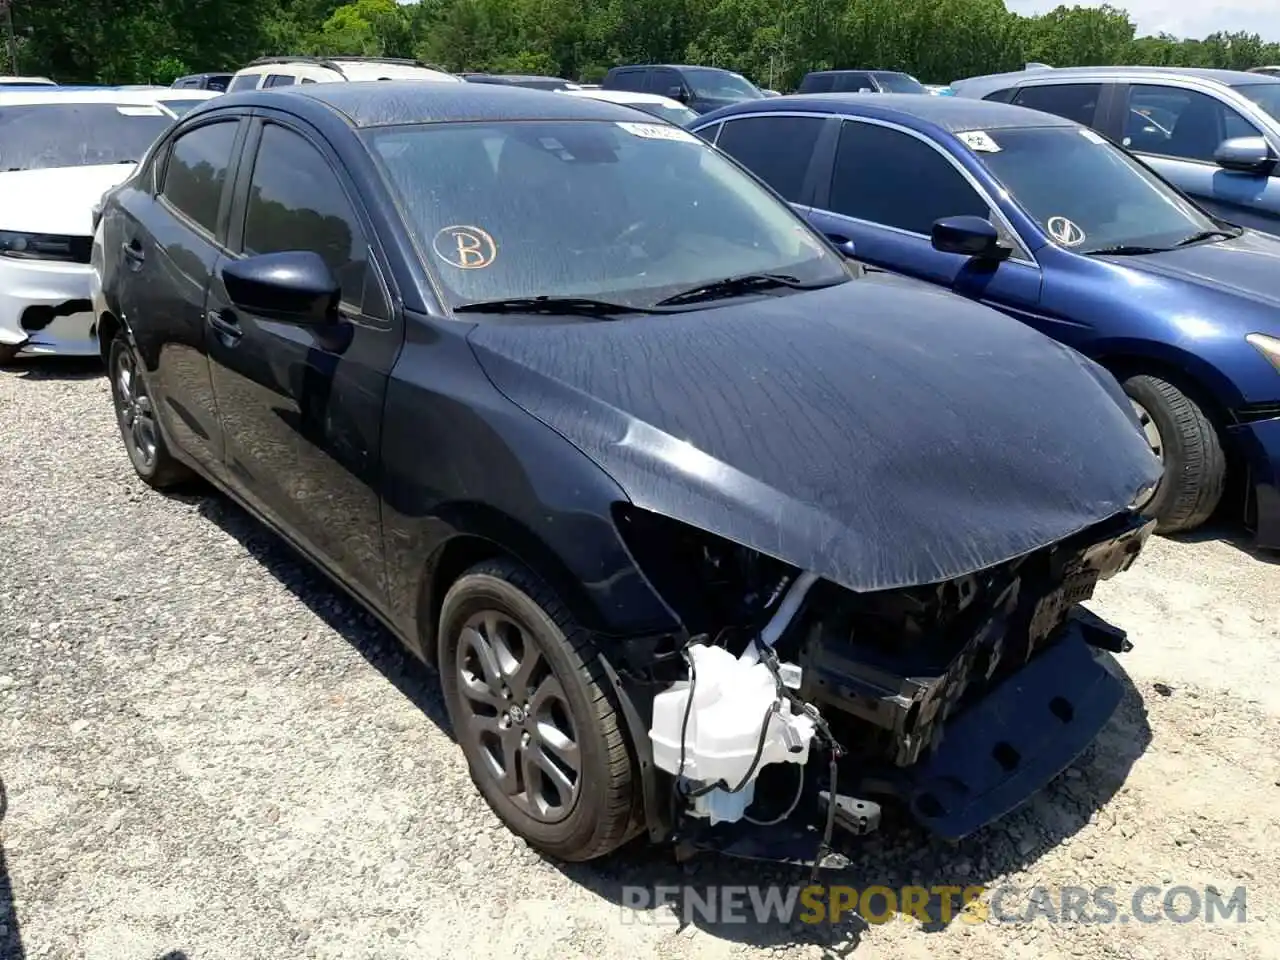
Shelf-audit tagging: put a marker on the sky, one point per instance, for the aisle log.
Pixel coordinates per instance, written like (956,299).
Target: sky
(1183,18)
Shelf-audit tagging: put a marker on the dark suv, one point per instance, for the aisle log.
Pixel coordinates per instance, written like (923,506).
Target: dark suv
(701,89)
(859,81)
(204,81)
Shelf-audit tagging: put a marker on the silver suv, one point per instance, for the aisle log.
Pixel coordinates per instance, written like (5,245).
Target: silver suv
(1215,134)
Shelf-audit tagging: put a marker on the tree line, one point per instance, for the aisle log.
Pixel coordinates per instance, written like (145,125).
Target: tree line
(774,42)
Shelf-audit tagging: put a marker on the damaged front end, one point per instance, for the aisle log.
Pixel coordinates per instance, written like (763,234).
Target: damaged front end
(792,705)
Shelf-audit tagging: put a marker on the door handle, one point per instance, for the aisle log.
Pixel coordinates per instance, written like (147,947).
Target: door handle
(132,251)
(228,328)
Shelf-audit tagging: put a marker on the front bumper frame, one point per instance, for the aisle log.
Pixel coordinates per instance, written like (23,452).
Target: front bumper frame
(1258,442)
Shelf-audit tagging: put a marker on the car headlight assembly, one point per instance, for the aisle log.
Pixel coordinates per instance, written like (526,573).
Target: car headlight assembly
(1269,347)
(44,246)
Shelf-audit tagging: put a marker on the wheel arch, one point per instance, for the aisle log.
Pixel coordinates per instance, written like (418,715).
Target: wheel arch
(1198,378)
(618,602)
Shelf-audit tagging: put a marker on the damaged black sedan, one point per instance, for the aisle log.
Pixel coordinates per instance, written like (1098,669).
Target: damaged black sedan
(712,536)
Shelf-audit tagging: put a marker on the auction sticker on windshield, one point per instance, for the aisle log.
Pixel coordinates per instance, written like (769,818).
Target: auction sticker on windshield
(979,140)
(658,131)
(465,247)
(140,111)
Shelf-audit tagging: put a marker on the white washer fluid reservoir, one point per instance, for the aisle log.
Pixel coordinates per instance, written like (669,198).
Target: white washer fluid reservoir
(731,698)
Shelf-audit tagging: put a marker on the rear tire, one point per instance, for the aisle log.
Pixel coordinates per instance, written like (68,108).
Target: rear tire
(529,701)
(139,429)
(1195,467)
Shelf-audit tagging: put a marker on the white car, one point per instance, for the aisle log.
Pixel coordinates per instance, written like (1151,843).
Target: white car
(664,107)
(60,151)
(287,71)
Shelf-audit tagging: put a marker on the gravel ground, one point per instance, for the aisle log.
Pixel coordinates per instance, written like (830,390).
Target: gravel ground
(209,753)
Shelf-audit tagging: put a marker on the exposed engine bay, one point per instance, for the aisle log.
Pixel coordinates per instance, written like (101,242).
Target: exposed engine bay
(794,705)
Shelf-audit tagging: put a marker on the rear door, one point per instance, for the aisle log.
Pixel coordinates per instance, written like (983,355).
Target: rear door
(169,232)
(1177,130)
(301,407)
(885,189)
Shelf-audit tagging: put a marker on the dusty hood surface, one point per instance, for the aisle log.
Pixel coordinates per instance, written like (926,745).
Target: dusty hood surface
(877,435)
(59,200)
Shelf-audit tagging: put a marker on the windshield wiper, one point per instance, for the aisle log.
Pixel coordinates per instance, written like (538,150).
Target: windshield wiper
(583,306)
(1208,235)
(732,286)
(1126,250)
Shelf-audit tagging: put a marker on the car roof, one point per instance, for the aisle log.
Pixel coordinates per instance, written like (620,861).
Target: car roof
(388,102)
(625,96)
(950,113)
(824,73)
(672,66)
(991,82)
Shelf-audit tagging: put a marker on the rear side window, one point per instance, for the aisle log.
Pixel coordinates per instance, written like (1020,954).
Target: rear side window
(853,83)
(1075,101)
(891,178)
(279,80)
(246,81)
(197,172)
(816,83)
(629,80)
(778,150)
(1002,96)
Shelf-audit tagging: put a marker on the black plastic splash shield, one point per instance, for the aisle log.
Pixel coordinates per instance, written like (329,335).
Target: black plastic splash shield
(1002,750)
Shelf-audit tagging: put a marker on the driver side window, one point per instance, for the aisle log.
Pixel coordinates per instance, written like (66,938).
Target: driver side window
(1187,124)
(887,177)
(296,202)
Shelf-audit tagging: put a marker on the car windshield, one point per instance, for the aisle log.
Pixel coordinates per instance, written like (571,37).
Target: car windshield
(1086,194)
(629,213)
(40,136)
(899,83)
(1265,94)
(672,113)
(721,85)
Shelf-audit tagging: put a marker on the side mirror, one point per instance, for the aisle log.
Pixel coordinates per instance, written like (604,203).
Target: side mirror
(296,286)
(1245,154)
(969,236)
(678,93)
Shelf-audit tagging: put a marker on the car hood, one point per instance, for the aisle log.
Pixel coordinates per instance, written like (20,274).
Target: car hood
(1245,266)
(877,435)
(59,200)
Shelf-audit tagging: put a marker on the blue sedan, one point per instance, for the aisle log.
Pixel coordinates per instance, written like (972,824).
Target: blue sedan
(1054,224)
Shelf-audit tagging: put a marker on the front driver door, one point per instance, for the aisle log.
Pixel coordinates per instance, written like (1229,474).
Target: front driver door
(886,189)
(301,406)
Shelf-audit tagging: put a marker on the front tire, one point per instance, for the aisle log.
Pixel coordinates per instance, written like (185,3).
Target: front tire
(9,353)
(1187,442)
(139,429)
(529,705)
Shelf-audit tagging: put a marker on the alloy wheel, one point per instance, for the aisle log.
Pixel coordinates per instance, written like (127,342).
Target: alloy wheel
(1149,429)
(515,709)
(134,409)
